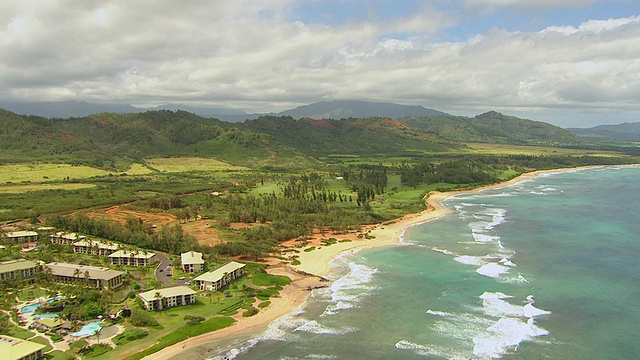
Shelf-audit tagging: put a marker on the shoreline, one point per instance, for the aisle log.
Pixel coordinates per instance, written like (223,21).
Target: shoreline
(316,264)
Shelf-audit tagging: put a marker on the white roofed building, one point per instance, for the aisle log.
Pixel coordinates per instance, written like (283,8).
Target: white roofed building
(158,299)
(132,258)
(98,277)
(192,262)
(216,279)
(20,236)
(63,238)
(94,247)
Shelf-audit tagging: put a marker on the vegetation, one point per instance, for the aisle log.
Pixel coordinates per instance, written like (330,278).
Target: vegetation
(248,187)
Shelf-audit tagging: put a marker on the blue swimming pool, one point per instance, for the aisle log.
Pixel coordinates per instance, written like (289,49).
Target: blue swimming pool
(30,308)
(89,329)
(55,299)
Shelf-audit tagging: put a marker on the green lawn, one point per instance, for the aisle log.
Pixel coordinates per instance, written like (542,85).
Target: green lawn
(185,164)
(46,172)
(16,189)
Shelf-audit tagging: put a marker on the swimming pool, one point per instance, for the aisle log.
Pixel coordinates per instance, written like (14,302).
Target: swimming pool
(89,329)
(30,308)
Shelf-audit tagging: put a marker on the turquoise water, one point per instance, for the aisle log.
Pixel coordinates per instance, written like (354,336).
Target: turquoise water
(544,269)
(89,329)
(30,308)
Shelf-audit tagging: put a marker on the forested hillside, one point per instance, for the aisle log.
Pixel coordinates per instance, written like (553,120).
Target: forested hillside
(493,127)
(113,141)
(348,136)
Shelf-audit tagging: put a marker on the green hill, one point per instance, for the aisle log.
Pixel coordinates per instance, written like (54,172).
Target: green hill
(112,140)
(494,127)
(348,136)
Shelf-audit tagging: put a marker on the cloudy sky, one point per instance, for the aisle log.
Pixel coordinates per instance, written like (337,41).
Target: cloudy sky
(568,62)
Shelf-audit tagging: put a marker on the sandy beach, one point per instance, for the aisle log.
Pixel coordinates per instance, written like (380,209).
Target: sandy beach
(317,262)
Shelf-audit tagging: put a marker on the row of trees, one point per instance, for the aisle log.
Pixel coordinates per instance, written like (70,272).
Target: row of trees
(168,238)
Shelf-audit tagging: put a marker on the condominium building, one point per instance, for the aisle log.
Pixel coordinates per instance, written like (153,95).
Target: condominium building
(216,279)
(17,269)
(98,277)
(17,349)
(20,236)
(63,238)
(192,262)
(132,258)
(94,247)
(158,299)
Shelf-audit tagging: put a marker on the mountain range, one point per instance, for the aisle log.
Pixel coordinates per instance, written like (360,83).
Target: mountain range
(620,132)
(336,109)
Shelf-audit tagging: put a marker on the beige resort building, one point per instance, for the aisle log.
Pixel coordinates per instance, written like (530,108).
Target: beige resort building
(17,269)
(132,258)
(94,247)
(216,279)
(98,277)
(192,262)
(63,238)
(17,349)
(158,299)
(20,236)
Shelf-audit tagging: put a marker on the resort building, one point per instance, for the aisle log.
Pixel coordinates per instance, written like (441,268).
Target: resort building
(132,258)
(20,236)
(98,277)
(17,269)
(158,299)
(94,247)
(62,238)
(216,279)
(17,349)
(192,262)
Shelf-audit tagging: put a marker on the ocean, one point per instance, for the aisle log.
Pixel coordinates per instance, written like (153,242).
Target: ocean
(542,269)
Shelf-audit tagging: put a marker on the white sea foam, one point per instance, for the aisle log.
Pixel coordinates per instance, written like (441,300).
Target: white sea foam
(438,313)
(443,251)
(278,330)
(492,270)
(484,238)
(316,328)
(506,262)
(532,311)
(320,356)
(505,336)
(470,260)
(346,292)
(429,350)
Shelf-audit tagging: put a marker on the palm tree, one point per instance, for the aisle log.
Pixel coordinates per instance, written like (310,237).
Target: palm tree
(157,297)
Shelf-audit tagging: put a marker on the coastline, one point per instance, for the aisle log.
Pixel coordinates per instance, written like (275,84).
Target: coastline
(316,264)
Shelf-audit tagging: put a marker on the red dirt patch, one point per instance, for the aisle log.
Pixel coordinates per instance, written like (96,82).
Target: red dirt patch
(320,124)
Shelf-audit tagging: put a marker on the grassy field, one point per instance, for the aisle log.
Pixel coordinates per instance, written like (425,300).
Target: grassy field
(46,172)
(138,169)
(500,149)
(17,189)
(185,164)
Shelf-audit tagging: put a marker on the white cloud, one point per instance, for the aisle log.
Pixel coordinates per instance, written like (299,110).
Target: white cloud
(254,56)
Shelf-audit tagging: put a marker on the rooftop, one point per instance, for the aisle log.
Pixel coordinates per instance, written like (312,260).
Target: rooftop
(132,254)
(69,270)
(96,243)
(21,233)
(217,274)
(18,264)
(191,257)
(167,292)
(12,348)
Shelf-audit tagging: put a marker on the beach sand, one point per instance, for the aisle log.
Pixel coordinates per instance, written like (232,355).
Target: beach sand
(317,262)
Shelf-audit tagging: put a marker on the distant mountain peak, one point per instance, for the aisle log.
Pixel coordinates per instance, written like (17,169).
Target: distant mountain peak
(341,109)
